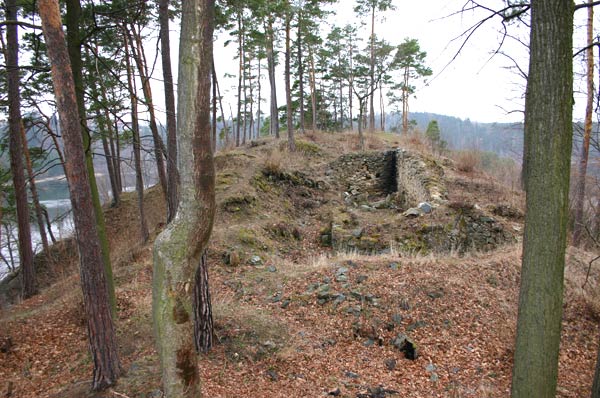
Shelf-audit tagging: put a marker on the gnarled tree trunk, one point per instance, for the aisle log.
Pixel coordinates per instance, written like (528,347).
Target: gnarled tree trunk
(16,153)
(178,249)
(103,344)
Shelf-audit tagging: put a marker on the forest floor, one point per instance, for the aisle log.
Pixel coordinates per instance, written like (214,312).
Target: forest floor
(302,320)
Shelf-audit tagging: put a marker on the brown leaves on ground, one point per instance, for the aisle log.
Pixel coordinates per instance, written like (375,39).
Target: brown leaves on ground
(306,323)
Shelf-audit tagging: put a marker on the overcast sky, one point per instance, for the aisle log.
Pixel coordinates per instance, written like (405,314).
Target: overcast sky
(475,85)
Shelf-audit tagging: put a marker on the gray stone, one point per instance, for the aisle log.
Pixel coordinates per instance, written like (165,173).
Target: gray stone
(397,319)
(154,394)
(361,278)
(425,207)
(342,271)
(285,303)
(351,375)
(255,261)
(341,278)
(390,364)
(434,377)
(394,266)
(272,375)
(271,268)
(406,345)
(412,213)
(436,294)
(416,325)
(430,367)
(339,299)
(357,233)
(335,393)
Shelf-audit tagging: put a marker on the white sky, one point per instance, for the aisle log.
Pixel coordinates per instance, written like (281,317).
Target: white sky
(475,85)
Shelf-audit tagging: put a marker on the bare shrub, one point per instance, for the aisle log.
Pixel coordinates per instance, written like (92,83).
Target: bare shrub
(467,161)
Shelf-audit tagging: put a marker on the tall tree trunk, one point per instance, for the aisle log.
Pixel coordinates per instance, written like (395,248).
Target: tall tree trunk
(116,150)
(372,76)
(16,153)
(258,114)
(213,74)
(548,133)
(271,68)
(596,383)
(225,128)
(169,87)
(137,50)
(74,49)
(241,71)
(135,130)
(39,215)
(104,126)
(313,90)
(102,337)
(300,72)
(381,108)
(587,133)
(288,88)
(405,95)
(179,248)
(244,86)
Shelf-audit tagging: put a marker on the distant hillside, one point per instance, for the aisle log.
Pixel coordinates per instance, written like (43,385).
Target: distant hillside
(504,139)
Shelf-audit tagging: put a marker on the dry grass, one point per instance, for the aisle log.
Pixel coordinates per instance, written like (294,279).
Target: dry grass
(467,161)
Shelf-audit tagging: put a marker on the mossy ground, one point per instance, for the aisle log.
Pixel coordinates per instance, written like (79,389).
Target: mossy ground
(275,336)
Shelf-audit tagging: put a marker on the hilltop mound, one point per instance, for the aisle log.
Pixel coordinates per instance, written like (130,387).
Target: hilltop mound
(333,272)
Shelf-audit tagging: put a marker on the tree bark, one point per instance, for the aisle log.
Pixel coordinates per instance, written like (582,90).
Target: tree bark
(135,132)
(579,225)
(288,88)
(102,338)
(371,97)
(300,73)
(272,81)
(240,77)
(179,248)
(16,154)
(313,90)
(203,319)
(596,383)
(39,215)
(104,126)
(548,134)
(74,50)
(169,87)
(137,50)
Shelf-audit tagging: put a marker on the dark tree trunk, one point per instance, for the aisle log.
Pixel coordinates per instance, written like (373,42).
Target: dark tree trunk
(135,129)
(371,105)
(596,383)
(548,134)
(169,87)
(103,126)
(240,76)
(137,51)
(74,50)
(16,153)
(203,319)
(214,108)
(102,338)
(579,226)
(288,88)
(272,81)
(300,73)
(216,81)
(258,118)
(313,91)
(39,215)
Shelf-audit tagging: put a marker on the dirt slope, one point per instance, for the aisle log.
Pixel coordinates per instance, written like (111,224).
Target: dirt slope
(294,318)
